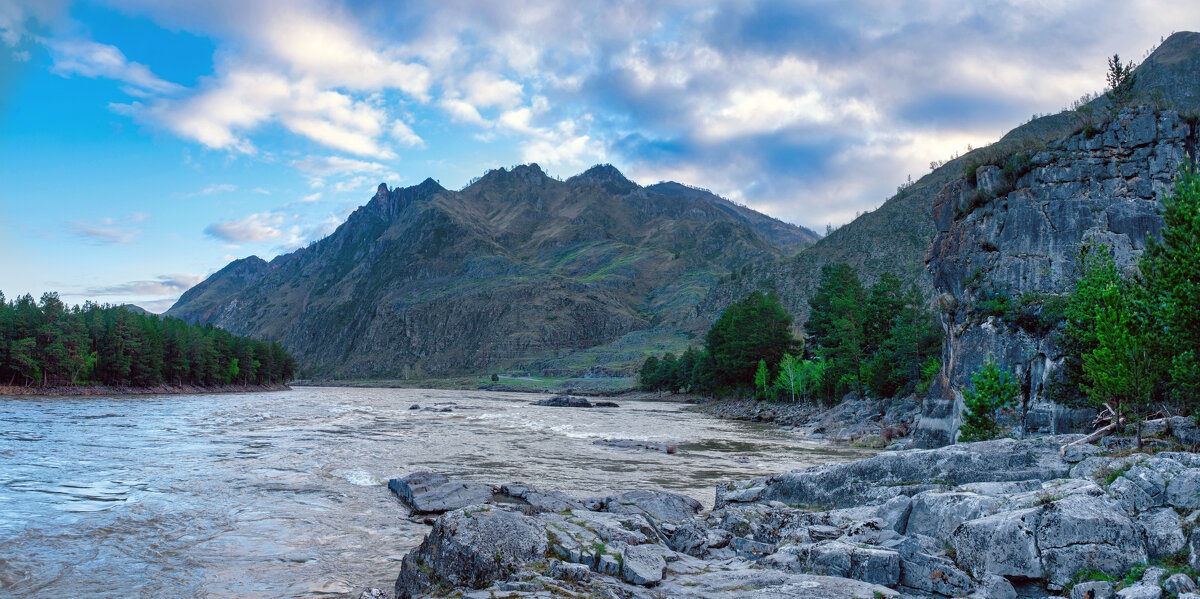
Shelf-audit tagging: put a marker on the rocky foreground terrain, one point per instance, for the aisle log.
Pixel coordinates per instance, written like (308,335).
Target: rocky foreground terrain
(996,519)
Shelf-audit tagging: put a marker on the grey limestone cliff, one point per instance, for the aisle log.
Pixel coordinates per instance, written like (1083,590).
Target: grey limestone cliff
(1098,188)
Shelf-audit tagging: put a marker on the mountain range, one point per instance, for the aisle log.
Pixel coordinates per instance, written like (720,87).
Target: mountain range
(505,274)
(520,272)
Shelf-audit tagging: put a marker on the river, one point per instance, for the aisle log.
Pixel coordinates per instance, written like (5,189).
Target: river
(284,494)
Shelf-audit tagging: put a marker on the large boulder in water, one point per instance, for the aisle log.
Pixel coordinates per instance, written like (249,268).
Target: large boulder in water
(571,401)
(434,493)
(471,547)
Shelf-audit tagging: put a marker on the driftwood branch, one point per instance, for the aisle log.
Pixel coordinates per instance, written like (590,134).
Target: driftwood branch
(1105,430)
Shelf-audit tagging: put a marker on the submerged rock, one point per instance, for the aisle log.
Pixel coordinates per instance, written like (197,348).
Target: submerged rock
(571,401)
(669,448)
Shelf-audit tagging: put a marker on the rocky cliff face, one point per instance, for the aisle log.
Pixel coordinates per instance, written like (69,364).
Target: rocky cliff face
(518,269)
(1021,239)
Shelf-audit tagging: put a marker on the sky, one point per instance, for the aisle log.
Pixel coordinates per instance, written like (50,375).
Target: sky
(144,144)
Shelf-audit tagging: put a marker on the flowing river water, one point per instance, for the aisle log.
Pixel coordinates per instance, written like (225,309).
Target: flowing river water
(284,494)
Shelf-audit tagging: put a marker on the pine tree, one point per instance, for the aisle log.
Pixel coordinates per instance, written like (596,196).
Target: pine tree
(1172,272)
(1121,81)
(993,392)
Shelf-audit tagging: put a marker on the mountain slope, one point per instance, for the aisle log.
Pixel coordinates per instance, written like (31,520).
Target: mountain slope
(897,236)
(514,268)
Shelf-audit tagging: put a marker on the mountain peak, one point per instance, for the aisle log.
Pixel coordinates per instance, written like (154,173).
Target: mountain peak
(607,176)
(1167,77)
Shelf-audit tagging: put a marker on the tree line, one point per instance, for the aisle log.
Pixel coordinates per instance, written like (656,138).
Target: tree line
(46,343)
(880,341)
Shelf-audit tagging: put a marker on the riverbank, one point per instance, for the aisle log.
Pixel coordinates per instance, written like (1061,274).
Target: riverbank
(996,519)
(865,422)
(90,390)
(593,387)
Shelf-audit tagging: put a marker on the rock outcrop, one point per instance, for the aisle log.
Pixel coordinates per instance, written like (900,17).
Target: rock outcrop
(984,520)
(1016,244)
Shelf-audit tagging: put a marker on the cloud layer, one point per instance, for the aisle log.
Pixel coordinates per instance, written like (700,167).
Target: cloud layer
(810,111)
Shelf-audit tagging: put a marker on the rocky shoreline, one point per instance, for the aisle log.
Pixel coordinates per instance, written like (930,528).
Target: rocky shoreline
(90,390)
(996,519)
(861,421)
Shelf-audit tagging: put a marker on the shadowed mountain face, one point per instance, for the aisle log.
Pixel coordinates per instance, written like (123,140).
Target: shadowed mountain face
(514,268)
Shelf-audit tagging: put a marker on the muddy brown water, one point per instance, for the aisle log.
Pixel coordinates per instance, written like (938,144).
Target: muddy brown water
(284,494)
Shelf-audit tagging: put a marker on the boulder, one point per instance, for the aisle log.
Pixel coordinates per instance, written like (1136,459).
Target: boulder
(934,574)
(937,514)
(1185,430)
(540,500)
(877,479)
(643,564)
(1194,549)
(471,547)
(657,506)
(1140,591)
(567,571)
(571,401)
(1081,532)
(434,493)
(895,512)
(1004,544)
(1163,532)
(1179,583)
(875,565)
(994,587)
(1183,491)
(1093,589)
(1152,476)
(690,538)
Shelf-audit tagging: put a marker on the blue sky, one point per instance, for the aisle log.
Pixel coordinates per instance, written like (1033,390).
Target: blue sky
(144,143)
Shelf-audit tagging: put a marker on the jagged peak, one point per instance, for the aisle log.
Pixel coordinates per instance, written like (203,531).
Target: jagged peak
(604,174)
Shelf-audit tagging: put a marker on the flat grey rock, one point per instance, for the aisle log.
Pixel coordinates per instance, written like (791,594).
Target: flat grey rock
(434,493)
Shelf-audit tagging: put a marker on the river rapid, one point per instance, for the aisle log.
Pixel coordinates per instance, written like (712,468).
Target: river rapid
(284,494)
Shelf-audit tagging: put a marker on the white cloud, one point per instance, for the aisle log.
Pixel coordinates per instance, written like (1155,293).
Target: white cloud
(482,89)
(92,59)
(101,233)
(161,285)
(256,227)
(404,134)
(108,230)
(308,199)
(14,21)
(323,166)
(461,111)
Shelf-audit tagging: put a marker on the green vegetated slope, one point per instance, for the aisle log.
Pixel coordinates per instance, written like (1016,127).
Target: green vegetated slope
(516,271)
(896,237)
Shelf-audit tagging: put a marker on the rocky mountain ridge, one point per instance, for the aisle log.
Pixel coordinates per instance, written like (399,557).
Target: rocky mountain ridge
(516,266)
